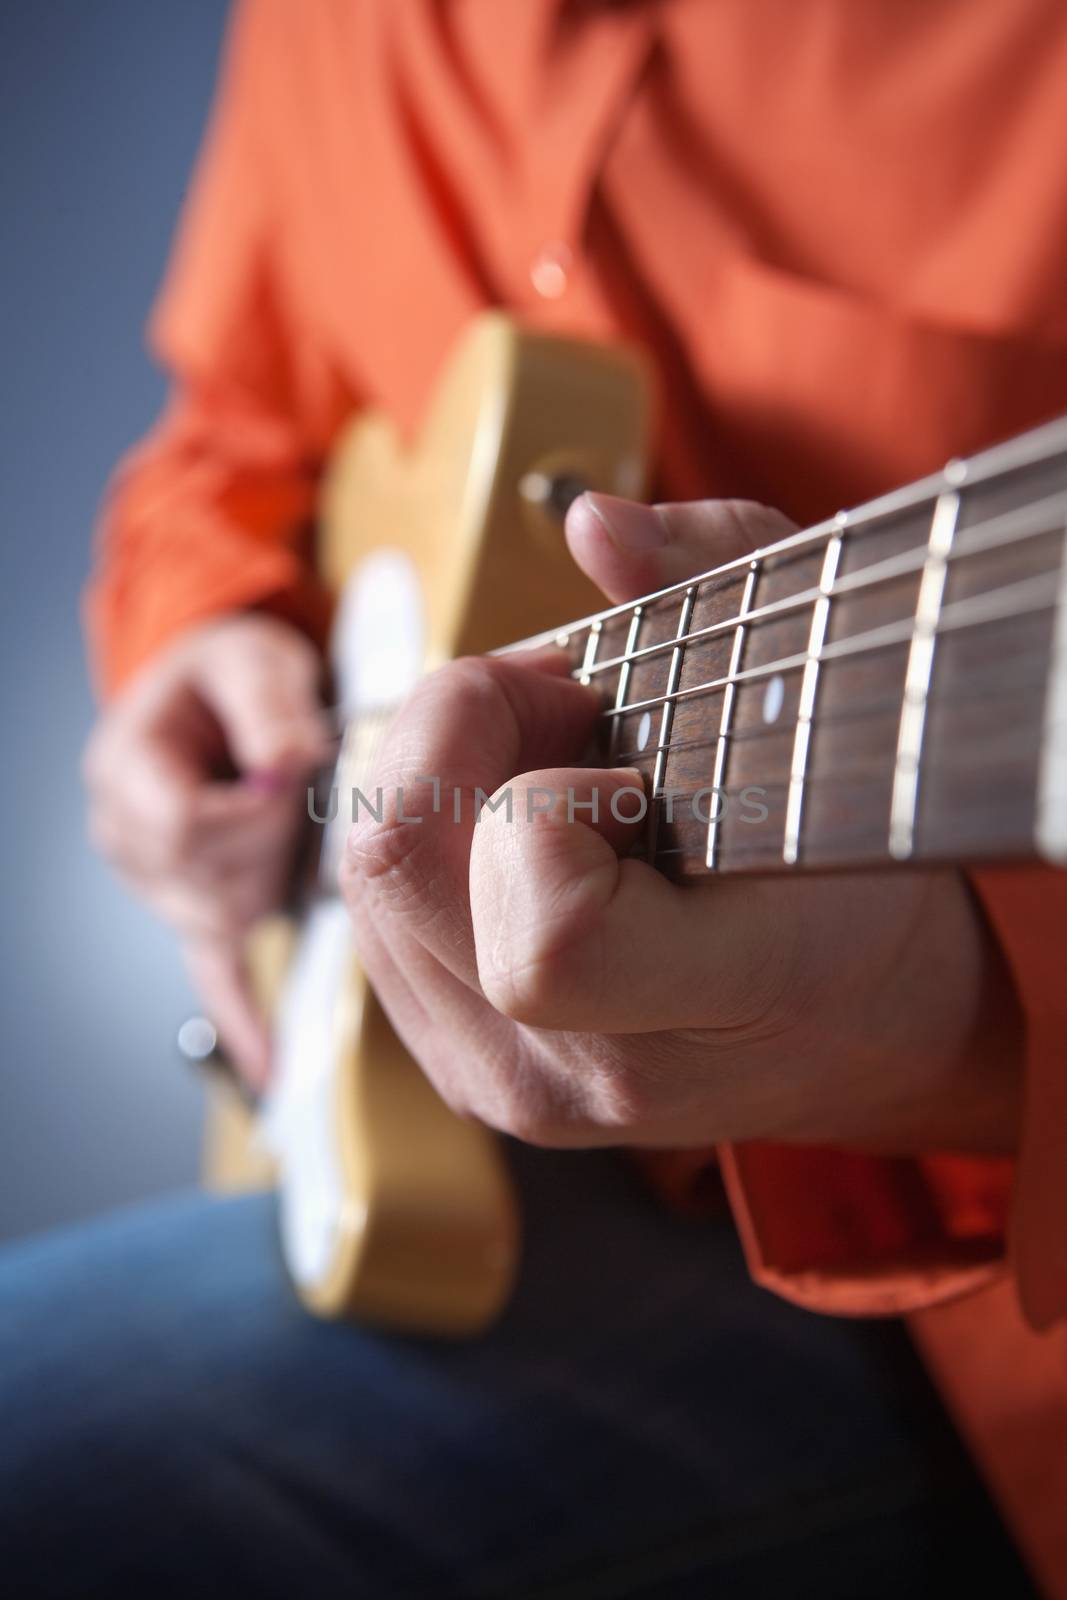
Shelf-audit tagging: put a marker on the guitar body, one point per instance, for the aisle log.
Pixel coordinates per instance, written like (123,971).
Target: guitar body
(392,1209)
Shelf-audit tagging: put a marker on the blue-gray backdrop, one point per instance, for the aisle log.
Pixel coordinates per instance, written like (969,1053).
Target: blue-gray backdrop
(101,107)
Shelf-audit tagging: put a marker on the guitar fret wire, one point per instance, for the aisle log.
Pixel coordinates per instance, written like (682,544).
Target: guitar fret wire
(861,711)
(1031,594)
(1009,601)
(591,644)
(820,617)
(918,676)
(1050,831)
(1055,726)
(673,674)
(870,777)
(982,538)
(729,693)
(1039,445)
(679,797)
(624,674)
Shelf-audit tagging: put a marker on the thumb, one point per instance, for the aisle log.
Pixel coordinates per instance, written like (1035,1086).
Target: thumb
(629,550)
(262,682)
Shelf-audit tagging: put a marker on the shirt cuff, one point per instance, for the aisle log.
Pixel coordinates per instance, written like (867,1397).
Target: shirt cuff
(1027,909)
(859,1235)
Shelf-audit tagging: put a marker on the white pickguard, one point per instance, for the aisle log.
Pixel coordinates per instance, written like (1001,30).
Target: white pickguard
(378,650)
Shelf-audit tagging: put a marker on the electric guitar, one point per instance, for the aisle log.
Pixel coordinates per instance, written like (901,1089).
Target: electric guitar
(393,1210)
(889,687)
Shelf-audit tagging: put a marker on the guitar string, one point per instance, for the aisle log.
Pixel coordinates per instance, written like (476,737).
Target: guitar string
(983,539)
(773,793)
(1009,601)
(868,772)
(1030,595)
(857,711)
(1040,447)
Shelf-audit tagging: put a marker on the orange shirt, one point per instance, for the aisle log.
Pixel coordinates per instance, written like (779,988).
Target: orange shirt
(841,231)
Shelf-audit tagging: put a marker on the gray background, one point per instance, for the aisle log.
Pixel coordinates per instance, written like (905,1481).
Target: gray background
(101,107)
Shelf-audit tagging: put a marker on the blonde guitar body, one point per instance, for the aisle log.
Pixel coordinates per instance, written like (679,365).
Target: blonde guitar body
(394,1211)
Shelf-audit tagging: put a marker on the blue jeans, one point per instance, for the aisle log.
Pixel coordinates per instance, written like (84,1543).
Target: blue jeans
(643,1422)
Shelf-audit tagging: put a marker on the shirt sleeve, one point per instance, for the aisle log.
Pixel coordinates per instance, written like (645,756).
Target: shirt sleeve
(213,511)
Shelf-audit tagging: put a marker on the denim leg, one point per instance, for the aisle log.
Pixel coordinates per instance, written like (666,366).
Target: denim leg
(643,1422)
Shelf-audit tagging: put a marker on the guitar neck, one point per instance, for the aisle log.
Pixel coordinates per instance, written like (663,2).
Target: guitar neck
(889,686)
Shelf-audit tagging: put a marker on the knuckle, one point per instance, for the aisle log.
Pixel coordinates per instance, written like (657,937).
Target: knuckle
(514,1097)
(474,675)
(525,1117)
(265,648)
(289,652)
(472,685)
(175,829)
(752,522)
(624,1098)
(519,992)
(540,1131)
(383,853)
(473,1095)
(521,1098)
(455,692)
(544,988)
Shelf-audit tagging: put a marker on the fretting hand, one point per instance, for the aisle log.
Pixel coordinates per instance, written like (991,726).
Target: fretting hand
(570,996)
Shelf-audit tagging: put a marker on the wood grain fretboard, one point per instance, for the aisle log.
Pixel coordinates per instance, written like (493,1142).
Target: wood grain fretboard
(888,686)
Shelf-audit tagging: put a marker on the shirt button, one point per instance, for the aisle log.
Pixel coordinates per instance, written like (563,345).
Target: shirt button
(550,269)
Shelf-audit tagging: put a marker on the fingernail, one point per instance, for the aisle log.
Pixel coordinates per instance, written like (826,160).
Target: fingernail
(636,785)
(632,528)
(635,775)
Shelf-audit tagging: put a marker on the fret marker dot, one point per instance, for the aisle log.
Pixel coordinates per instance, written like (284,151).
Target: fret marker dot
(773,698)
(644,730)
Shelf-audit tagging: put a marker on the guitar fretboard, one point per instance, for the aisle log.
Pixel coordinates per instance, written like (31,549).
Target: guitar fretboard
(890,685)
